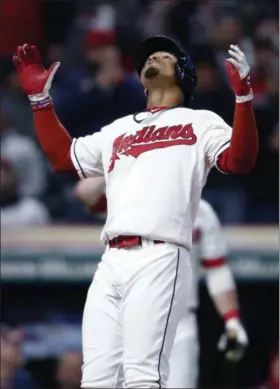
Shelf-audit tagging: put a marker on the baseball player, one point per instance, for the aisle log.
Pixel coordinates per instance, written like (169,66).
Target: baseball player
(208,250)
(155,164)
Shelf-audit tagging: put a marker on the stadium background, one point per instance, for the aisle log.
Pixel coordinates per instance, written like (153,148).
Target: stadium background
(47,263)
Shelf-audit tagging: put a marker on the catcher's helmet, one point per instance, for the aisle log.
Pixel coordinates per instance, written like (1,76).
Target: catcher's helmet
(185,69)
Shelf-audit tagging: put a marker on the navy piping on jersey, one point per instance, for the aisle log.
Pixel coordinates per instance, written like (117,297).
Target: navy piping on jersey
(217,156)
(75,155)
(168,317)
(220,148)
(158,111)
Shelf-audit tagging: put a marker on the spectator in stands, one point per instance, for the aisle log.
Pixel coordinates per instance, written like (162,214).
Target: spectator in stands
(19,22)
(155,10)
(24,155)
(17,210)
(100,92)
(268,28)
(263,182)
(14,105)
(229,30)
(12,375)
(204,20)
(68,374)
(265,66)
(211,93)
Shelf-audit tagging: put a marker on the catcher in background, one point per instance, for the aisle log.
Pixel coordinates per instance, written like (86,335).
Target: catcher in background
(208,250)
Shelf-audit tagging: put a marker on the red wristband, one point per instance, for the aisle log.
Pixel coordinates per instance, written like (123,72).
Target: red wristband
(234,314)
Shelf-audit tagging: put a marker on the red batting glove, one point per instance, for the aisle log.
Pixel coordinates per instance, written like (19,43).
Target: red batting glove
(34,78)
(239,74)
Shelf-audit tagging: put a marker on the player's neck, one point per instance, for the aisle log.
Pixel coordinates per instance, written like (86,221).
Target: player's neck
(164,98)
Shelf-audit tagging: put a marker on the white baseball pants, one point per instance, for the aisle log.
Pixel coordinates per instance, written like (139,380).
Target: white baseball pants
(185,354)
(133,307)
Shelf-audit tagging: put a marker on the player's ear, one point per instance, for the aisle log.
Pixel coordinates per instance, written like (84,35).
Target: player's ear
(145,92)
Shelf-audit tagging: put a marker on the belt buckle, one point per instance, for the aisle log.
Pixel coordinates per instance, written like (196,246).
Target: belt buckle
(129,242)
(136,241)
(126,243)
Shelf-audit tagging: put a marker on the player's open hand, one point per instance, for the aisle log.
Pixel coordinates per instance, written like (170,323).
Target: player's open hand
(34,78)
(234,341)
(238,70)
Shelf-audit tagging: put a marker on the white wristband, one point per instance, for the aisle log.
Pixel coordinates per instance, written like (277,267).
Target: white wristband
(243,99)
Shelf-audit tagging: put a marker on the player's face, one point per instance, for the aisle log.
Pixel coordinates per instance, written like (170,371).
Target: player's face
(159,65)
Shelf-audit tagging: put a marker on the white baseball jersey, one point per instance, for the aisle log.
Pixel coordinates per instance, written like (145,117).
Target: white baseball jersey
(155,165)
(209,245)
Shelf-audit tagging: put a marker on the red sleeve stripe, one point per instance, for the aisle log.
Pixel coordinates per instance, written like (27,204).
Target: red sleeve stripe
(221,161)
(234,314)
(213,262)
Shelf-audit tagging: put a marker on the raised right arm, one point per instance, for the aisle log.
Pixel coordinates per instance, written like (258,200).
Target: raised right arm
(54,139)
(83,155)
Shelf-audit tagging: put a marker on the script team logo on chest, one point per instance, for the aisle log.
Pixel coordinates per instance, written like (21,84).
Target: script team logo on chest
(151,138)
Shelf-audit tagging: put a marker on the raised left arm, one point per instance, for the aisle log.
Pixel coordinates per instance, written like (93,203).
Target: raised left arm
(240,157)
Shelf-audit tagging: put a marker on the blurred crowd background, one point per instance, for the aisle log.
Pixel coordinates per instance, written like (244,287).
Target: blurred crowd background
(96,83)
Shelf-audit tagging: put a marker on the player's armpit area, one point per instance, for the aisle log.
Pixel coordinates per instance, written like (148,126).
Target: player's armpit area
(54,140)
(240,157)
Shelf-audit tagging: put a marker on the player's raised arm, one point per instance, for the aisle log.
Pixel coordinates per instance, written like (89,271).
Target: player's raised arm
(81,156)
(242,154)
(234,151)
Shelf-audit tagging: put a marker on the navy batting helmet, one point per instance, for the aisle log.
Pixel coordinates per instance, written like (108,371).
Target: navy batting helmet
(185,69)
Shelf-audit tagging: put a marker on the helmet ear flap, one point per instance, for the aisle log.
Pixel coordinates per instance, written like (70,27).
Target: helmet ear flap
(186,78)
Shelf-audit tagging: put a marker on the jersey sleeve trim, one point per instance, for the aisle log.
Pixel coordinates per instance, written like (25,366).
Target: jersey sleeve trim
(77,162)
(218,153)
(213,262)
